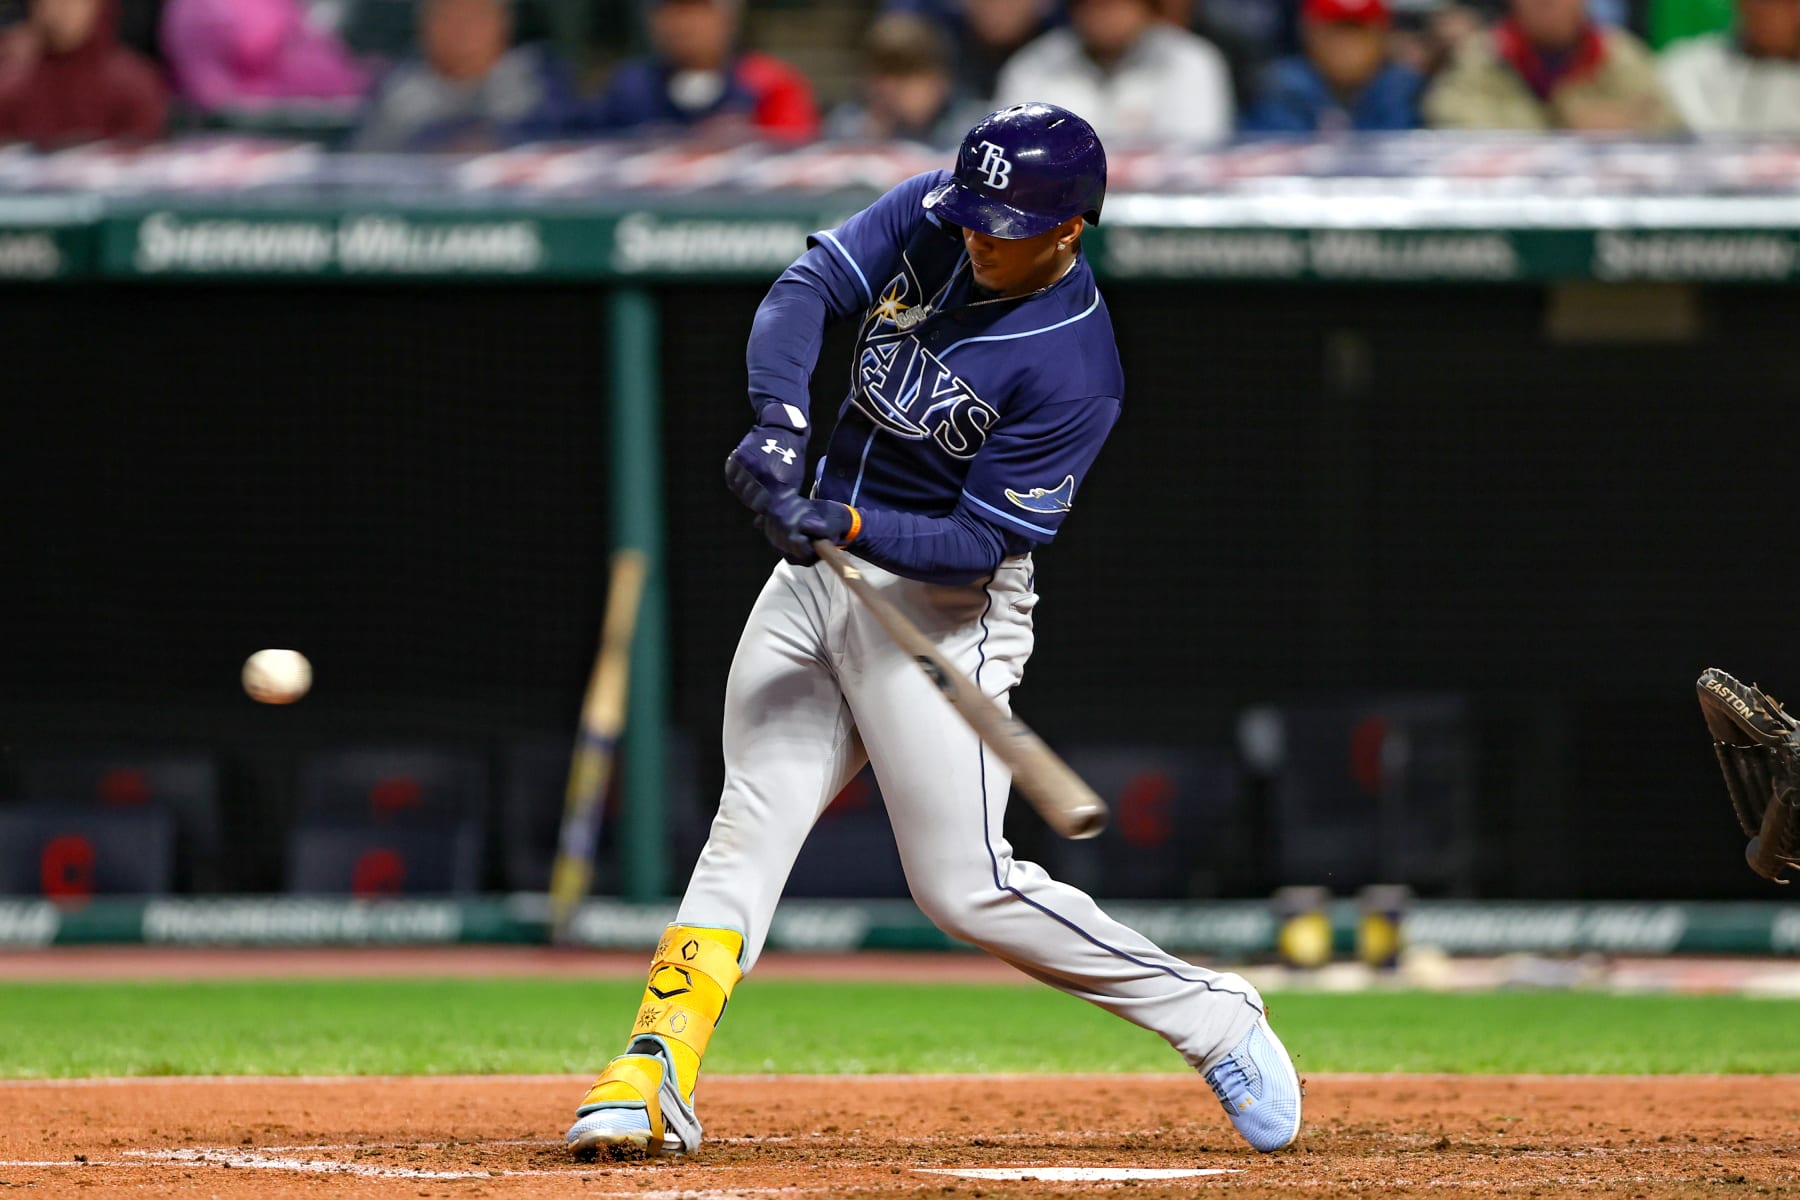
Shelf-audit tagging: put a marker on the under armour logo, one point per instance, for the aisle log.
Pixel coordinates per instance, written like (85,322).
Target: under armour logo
(774,447)
(995,166)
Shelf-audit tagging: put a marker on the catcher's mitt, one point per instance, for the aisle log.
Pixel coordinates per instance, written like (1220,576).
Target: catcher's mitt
(1758,746)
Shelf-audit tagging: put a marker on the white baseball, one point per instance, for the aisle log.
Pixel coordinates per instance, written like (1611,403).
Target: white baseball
(277,676)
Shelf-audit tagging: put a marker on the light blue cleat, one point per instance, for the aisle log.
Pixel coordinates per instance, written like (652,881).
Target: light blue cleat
(1259,1088)
(612,1131)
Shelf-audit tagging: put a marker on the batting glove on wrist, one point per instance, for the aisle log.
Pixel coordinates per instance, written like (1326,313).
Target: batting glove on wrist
(770,459)
(791,522)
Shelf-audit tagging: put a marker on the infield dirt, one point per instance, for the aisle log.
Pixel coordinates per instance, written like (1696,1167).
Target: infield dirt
(870,1137)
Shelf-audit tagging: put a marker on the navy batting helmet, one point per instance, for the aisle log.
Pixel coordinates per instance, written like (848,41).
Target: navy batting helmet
(1023,170)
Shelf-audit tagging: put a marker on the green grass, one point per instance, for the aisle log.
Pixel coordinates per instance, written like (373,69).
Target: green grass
(456,1026)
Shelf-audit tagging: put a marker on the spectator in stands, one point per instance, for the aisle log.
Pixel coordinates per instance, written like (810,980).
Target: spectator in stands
(985,33)
(135,22)
(1344,80)
(908,94)
(18,44)
(698,80)
(1427,38)
(1251,34)
(238,54)
(1547,66)
(471,89)
(1742,82)
(67,79)
(1133,75)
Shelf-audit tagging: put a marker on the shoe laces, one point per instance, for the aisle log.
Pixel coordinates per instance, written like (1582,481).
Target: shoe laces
(1234,1079)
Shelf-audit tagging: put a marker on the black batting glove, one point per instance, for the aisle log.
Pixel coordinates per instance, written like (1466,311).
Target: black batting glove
(792,521)
(770,459)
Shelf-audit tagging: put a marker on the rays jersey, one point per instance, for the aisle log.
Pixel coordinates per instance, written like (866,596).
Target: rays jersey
(961,406)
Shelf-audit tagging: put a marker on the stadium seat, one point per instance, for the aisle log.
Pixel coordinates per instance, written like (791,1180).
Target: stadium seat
(185,786)
(70,852)
(1374,789)
(388,29)
(1173,810)
(389,821)
(363,860)
(394,785)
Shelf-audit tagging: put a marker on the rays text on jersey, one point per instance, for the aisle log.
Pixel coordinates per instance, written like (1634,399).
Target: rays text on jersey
(907,390)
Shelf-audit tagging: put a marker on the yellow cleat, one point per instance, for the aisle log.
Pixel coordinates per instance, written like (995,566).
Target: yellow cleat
(643,1101)
(622,1114)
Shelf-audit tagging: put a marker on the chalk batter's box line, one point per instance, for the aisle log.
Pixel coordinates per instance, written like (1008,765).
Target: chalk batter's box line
(274,1160)
(148,1159)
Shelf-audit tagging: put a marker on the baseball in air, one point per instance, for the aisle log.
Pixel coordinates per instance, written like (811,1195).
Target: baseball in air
(277,676)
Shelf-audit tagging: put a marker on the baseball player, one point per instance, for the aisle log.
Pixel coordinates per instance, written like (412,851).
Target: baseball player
(985,380)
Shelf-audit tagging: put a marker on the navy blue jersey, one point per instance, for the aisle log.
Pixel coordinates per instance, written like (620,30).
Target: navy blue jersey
(960,404)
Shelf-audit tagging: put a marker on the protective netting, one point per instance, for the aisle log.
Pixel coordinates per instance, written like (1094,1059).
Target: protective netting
(409,485)
(1312,490)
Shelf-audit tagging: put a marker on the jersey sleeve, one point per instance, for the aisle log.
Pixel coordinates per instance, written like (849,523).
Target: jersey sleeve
(1027,473)
(829,282)
(865,251)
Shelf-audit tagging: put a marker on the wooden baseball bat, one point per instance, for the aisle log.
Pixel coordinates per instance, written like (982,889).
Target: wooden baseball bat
(1067,804)
(590,770)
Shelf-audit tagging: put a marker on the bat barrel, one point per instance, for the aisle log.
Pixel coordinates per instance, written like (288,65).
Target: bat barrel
(1084,823)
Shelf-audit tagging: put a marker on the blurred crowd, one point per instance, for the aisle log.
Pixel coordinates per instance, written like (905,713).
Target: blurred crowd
(446,75)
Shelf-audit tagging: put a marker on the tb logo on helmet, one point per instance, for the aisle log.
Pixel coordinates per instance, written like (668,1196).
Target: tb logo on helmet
(1046,162)
(994,166)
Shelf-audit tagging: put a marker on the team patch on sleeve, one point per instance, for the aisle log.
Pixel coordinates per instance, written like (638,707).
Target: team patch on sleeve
(1058,499)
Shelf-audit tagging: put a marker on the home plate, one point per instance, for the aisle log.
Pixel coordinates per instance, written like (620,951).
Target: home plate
(1073,1174)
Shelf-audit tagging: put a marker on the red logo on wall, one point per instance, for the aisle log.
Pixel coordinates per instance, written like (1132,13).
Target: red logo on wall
(395,793)
(66,868)
(378,873)
(1145,809)
(1367,739)
(124,786)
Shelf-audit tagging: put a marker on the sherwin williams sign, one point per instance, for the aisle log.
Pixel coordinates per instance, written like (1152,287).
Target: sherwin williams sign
(645,243)
(1480,256)
(1698,255)
(31,255)
(171,243)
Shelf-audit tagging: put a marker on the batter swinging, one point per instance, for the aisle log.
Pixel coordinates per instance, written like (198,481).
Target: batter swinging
(985,380)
